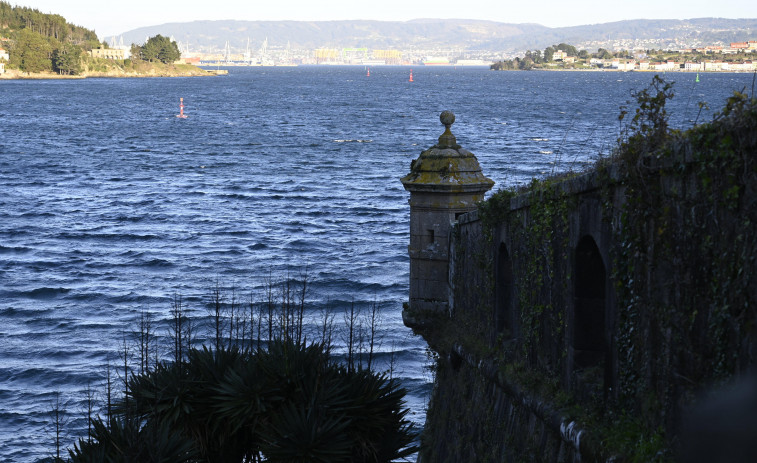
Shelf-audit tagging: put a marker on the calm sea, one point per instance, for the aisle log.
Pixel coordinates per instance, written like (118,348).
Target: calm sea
(110,205)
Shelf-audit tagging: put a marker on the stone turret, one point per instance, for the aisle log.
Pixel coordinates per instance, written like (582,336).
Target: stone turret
(444,182)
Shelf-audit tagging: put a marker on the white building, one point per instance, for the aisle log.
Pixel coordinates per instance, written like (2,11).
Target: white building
(666,66)
(623,64)
(559,55)
(742,66)
(691,66)
(4,58)
(713,65)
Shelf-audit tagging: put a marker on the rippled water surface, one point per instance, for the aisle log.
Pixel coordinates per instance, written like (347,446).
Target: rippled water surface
(110,205)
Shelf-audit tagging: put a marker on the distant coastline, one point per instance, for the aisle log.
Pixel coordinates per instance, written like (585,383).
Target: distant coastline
(654,71)
(179,70)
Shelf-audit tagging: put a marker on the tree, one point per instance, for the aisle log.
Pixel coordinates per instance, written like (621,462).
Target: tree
(583,54)
(526,64)
(158,48)
(603,54)
(169,51)
(67,59)
(503,65)
(49,26)
(534,55)
(569,49)
(136,52)
(31,52)
(548,53)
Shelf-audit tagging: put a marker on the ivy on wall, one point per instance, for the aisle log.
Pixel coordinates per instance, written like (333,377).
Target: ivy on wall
(681,207)
(683,266)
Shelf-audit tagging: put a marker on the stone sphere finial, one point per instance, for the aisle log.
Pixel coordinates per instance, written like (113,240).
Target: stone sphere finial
(447,140)
(447,118)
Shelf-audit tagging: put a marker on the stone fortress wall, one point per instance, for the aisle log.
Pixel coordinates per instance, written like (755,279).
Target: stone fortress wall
(580,319)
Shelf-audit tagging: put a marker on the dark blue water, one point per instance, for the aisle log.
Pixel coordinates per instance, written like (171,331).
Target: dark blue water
(110,205)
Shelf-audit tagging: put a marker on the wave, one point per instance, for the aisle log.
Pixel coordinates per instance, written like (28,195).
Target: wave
(44,293)
(128,218)
(14,249)
(37,214)
(236,196)
(108,236)
(10,312)
(157,263)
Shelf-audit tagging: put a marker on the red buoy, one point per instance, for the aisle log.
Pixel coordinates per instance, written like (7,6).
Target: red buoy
(181,114)
(411,75)
(368,74)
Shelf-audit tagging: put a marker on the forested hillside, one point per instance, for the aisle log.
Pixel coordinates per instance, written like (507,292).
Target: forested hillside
(38,42)
(42,43)
(51,26)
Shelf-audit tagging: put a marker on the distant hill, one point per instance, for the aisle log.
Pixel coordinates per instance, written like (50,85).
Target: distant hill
(422,33)
(457,34)
(700,31)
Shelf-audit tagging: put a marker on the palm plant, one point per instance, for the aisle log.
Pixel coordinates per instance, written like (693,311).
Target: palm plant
(289,402)
(126,441)
(284,401)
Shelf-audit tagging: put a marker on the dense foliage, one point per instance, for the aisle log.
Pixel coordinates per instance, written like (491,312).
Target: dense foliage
(157,48)
(40,42)
(67,59)
(284,403)
(536,58)
(264,387)
(48,26)
(688,321)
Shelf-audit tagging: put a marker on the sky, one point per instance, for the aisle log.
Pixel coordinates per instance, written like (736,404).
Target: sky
(108,17)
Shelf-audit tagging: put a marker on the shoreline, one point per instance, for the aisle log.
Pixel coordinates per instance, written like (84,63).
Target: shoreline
(14,74)
(674,71)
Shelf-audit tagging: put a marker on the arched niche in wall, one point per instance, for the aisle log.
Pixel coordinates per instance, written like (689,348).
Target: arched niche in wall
(589,339)
(504,314)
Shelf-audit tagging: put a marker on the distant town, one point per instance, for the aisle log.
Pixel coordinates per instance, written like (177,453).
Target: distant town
(736,57)
(287,56)
(731,57)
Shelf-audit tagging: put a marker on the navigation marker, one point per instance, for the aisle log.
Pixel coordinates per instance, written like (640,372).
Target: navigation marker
(181,114)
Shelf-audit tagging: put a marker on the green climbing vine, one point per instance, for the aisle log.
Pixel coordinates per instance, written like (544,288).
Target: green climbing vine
(683,261)
(682,208)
